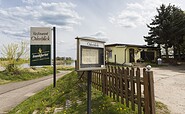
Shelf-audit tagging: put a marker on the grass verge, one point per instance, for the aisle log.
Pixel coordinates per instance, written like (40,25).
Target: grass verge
(62,67)
(25,74)
(70,97)
(29,73)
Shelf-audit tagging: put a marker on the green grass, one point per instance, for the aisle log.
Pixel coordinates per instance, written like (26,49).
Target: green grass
(161,108)
(61,67)
(24,74)
(69,88)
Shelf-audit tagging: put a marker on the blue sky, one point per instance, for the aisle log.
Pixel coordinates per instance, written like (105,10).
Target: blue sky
(115,21)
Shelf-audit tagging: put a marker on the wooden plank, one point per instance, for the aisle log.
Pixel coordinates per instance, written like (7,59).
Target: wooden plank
(146,93)
(97,80)
(132,88)
(121,71)
(110,81)
(106,82)
(100,87)
(94,80)
(151,89)
(101,80)
(126,86)
(138,91)
(117,84)
(113,82)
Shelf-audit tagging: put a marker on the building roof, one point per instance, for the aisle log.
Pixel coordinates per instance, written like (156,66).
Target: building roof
(91,39)
(129,45)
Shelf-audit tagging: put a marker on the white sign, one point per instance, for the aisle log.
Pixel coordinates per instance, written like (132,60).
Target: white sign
(91,44)
(40,36)
(90,56)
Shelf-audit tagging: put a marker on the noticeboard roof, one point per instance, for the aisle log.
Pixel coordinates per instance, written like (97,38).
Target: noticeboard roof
(91,39)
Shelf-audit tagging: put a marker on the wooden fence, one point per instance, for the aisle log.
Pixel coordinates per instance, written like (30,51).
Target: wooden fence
(126,85)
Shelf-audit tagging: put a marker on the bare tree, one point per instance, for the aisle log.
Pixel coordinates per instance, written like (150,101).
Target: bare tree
(13,52)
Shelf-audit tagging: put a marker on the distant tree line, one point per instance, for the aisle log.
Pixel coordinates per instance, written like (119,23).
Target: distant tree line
(167,30)
(64,58)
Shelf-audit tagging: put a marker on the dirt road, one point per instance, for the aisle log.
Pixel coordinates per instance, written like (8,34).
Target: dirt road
(170,87)
(14,93)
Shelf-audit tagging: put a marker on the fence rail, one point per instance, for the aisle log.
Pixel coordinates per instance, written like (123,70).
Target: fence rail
(128,86)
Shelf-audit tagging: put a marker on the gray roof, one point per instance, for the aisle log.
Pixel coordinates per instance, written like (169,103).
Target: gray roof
(129,45)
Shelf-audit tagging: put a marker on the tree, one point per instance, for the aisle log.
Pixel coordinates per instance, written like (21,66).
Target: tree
(178,25)
(13,52)
(167,28)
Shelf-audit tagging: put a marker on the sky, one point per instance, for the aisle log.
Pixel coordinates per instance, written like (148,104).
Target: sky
(115,21)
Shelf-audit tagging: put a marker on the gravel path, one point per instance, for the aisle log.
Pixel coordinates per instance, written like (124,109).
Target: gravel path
(170,87)
(14,93)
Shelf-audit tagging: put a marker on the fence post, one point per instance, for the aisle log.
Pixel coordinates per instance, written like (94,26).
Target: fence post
(132,89)
(149,92)
(151,89)
(117,84)
(104,80)
(126,75)
(138,81)
(121,71)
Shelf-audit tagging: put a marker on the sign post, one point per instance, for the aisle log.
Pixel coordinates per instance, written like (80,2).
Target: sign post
(54,57)
(90,56)
(40,48)
(89,79)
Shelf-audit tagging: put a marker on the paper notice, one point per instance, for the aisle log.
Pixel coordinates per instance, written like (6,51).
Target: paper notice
(90,56)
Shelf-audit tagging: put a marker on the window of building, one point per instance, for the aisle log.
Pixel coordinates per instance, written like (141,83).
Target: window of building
(110,54)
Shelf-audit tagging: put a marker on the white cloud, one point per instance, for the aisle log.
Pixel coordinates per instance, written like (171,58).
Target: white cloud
(127,19)
(101,35)
(16,21)
(29,1)
(137,13)
(135,6)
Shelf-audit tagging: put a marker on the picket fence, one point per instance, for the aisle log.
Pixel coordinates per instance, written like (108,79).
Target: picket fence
(130,86)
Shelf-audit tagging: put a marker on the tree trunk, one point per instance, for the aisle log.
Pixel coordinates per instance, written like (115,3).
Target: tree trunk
(179,53)
(167,56)
(175,52)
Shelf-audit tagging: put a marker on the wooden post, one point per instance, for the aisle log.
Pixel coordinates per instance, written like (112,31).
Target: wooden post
(110,81)
(104,78)
(100,81)
(149,92)
(117,84)
(121,71)
(132,88)
(113,82)
(146,93)
(107,82)
(138,90)
(126,86)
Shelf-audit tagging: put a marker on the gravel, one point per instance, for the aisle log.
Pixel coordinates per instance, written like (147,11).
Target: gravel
(169,84)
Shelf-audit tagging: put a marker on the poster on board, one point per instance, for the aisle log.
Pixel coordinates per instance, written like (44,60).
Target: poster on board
(90,56)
